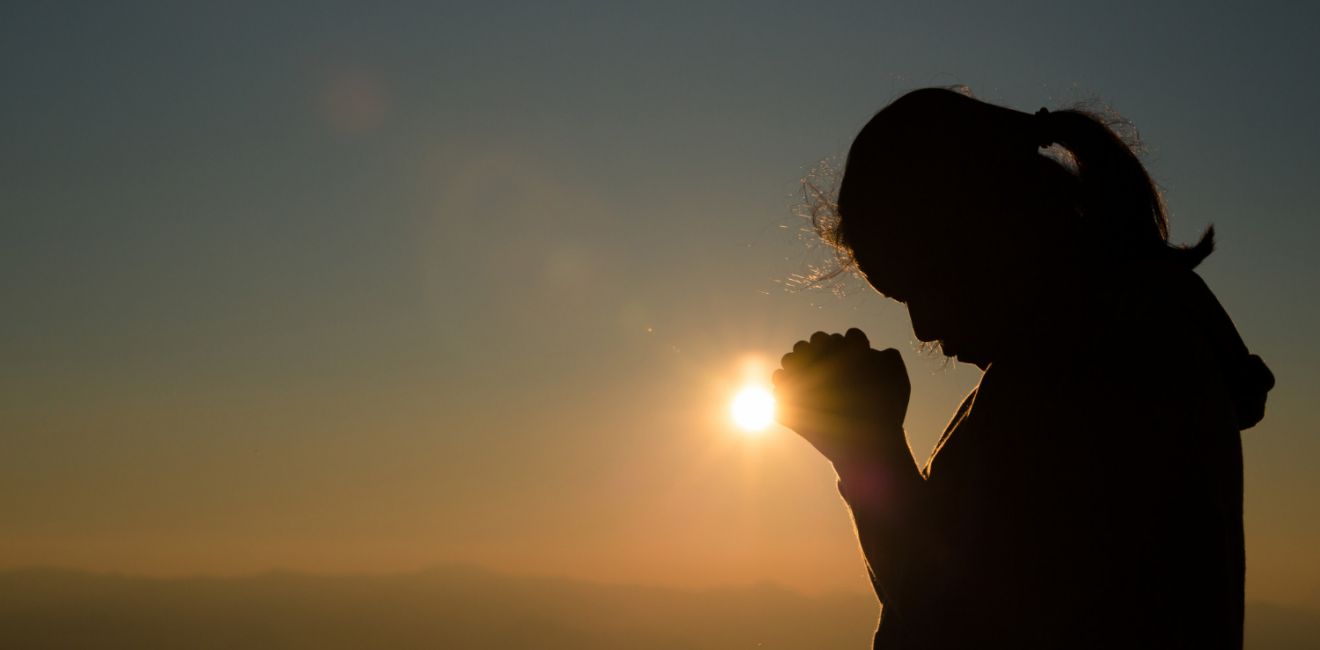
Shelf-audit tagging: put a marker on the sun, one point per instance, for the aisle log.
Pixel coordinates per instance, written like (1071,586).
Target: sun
(753,408)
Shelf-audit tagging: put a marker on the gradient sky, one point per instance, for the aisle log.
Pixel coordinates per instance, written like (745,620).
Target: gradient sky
(352,288)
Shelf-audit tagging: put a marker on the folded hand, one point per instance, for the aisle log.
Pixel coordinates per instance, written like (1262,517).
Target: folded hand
(847,399)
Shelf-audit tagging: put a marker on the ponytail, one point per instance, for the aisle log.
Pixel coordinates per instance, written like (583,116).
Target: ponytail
(1119,199)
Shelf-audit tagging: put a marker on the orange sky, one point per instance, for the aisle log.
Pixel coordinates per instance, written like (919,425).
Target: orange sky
(374,291)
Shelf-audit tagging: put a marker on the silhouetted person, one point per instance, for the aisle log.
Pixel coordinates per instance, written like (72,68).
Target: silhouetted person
(1088,492)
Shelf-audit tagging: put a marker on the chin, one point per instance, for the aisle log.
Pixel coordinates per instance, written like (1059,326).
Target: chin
(974,359)
(953,351)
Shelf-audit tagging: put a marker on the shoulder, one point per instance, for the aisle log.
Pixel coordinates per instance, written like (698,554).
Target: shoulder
(1151,342)
(1139,380)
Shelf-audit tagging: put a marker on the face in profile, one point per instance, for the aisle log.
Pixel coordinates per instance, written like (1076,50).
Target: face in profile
(943,207)
(963,260)
(940,293)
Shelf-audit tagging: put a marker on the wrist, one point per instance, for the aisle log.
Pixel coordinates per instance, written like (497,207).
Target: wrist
(871,447)
(877,469)
(862,475)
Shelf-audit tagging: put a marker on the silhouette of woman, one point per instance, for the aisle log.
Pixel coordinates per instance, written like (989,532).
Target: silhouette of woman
(1088,492)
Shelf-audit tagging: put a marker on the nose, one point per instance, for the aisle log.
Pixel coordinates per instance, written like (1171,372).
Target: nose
(923,322)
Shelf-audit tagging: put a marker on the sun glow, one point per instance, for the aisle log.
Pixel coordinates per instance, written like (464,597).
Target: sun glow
(753,409)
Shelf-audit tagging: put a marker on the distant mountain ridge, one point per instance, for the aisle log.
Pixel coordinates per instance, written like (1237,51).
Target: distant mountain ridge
(458,608)
(452,607)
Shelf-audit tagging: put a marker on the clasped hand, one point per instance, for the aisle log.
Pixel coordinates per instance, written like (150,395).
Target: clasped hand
(847,399)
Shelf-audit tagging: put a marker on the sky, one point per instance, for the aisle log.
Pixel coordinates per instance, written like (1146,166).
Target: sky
(349,288)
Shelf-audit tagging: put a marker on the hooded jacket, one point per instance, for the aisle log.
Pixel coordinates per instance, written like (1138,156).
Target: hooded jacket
(1083,496)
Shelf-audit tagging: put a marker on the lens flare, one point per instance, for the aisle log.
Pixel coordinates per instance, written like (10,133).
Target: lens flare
(753,408)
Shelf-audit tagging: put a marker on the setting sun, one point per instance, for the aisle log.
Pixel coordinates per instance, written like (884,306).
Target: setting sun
(753,408)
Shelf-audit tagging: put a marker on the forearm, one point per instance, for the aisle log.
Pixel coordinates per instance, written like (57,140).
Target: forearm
(884,493)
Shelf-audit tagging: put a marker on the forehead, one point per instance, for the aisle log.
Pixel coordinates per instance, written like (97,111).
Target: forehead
(893,267)
(895,219)
(898,245)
